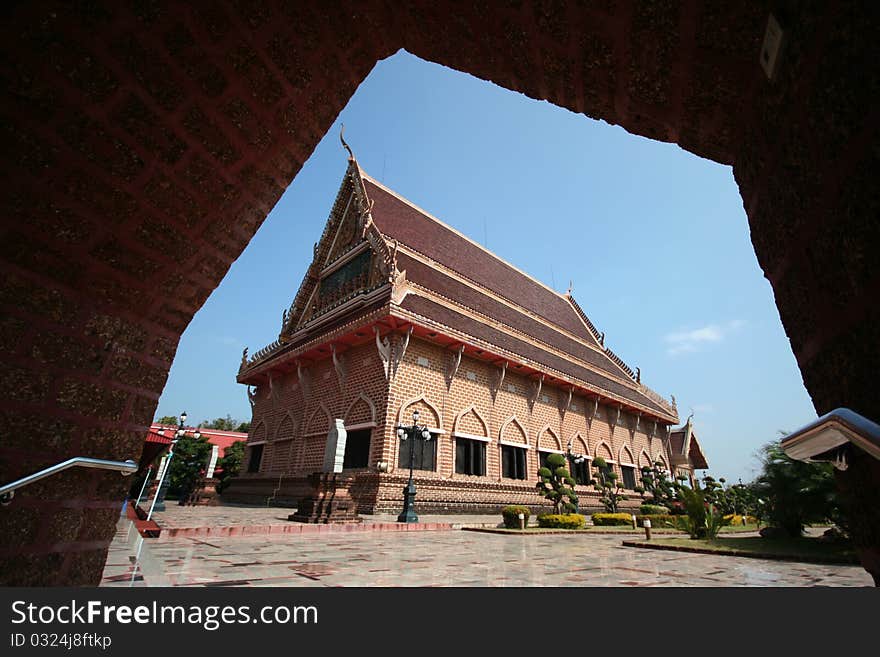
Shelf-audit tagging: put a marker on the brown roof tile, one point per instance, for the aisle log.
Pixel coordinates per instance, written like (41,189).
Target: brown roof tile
(480,330)
(397,219)
(433,279)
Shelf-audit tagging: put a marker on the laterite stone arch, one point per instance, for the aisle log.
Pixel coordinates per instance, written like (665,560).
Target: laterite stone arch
(130,124)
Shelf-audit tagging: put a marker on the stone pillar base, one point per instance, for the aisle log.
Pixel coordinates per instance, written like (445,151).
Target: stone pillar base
(207,493)
(329,502)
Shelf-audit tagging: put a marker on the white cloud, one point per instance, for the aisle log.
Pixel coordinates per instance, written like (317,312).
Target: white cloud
(686,341)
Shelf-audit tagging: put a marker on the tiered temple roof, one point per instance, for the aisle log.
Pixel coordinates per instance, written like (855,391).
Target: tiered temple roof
(427,275)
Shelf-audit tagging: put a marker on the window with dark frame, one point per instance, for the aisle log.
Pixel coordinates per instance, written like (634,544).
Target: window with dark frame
(629,476)
(513,462)
(357,449)
(425,453)
(542,459)
(470,457)
(255,459)
(580,472)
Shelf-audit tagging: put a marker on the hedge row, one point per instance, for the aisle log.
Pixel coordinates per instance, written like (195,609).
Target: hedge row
(611,519)
(658,520)
(562,521)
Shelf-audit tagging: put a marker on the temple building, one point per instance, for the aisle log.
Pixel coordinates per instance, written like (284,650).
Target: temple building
(400,312)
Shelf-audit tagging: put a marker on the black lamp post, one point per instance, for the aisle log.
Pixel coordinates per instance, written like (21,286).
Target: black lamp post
(165,481)
(409,491)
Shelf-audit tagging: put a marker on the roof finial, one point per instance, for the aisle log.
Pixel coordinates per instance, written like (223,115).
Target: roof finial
(347,147)
(568,293)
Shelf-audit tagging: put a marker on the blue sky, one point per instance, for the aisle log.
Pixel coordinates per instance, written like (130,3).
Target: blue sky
(654,240)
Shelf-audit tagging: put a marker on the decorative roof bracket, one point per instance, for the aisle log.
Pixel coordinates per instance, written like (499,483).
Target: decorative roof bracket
(536,391)
(616,417)
(305,380)
(564,406)
(453,365)
(496,385)
(383,346)
(339,366)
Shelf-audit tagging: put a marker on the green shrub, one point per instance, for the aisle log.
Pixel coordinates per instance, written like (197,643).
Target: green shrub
(511,516)
(653,509)
(611,519)
(658,520)
(562,521)
(703,520)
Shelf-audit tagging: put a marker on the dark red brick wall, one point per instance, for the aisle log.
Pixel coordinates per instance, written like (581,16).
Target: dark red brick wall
(125,126)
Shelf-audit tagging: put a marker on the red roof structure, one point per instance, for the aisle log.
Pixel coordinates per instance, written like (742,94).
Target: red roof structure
(450,290)
(685,448)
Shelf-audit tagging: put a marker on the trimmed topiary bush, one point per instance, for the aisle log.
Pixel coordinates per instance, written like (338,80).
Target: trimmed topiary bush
(653,510)
(658,520)
(555,482)
(611,519)
(562,521)
(511,515)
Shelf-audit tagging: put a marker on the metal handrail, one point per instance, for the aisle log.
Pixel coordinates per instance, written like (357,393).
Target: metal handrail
(124,467)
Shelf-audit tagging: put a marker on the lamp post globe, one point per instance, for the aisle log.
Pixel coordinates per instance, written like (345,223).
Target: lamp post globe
(158,503)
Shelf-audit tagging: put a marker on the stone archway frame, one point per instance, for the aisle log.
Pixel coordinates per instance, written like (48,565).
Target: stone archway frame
(647,456)
(660,457)
(584,443)
(513,419)
(578,437)
(437,431)
(415,400)
(322,407)
(470,409)
(612,461)
(548,429)
(370,404)
(291,440)
(623,462)
(486,437)
(285,417)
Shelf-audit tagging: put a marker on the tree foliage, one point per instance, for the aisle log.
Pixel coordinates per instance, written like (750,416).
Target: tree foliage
(794,493)
(230,464)
(227,423)
(189,460)
(656,483)
(609,487)
(167,420)
(557,485)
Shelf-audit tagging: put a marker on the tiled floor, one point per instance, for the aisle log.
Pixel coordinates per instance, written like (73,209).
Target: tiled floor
(441,558)
(176,517)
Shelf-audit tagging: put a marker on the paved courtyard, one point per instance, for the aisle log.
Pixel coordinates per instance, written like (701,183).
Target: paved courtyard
(441,558)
